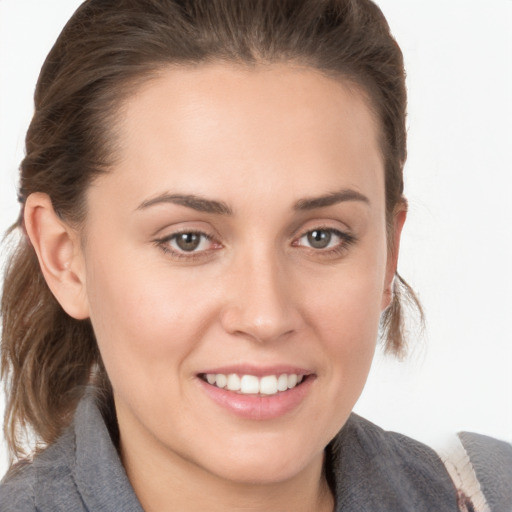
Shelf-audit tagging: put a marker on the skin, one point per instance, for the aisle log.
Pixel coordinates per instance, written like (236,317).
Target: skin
(260,141)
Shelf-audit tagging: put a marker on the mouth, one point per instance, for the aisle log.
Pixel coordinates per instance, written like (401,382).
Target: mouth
(258,394)
(246,384)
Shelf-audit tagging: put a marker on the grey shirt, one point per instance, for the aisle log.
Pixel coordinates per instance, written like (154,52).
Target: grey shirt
(368,469)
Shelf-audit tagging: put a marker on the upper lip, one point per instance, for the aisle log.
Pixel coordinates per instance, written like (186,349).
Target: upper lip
(257,371)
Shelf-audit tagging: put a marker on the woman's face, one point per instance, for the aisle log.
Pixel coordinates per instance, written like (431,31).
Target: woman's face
(239,240)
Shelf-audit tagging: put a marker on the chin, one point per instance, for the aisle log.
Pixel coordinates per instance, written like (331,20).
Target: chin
(263,461)
(262,471)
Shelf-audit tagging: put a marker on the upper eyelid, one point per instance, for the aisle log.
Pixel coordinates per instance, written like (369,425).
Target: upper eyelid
(184,225)
(327,223)
(187,231)
(168,232)
(322,228)
(344,233)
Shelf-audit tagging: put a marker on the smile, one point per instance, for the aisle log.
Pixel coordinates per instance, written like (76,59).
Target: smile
(257,393)
(267,385)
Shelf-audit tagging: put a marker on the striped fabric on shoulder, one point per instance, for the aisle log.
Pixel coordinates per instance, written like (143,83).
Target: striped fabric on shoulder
(458,464)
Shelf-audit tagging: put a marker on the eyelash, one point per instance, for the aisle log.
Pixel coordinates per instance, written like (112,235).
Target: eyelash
(346,240)
(164,245)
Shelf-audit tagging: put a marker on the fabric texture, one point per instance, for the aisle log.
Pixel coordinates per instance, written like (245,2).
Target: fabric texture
(492,463)
(460,468)
(368,469)
(384,471)
(81,472)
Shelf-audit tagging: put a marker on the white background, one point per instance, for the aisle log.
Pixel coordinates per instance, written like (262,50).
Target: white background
(457,244)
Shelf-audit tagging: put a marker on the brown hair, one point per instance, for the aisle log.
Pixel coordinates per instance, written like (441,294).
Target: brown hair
(108,48)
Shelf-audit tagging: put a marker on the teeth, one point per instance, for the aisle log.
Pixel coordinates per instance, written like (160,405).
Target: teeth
(268,385)
(233,382)
(220,380)
(282,382)
(251,385)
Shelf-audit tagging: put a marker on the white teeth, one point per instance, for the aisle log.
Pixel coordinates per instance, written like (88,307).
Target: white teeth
(292,380)
(268,385)
(251,385)
(233,382)
(282,382)
(221,380)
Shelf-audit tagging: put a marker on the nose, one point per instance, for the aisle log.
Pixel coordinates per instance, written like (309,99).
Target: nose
(261,303)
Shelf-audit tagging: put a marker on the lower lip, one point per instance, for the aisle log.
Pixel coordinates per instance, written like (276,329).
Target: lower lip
(259,407)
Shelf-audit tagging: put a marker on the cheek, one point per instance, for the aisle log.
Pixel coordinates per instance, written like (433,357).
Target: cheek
(351,322)
(139,318)
(348,303)
(343,318)
(347,312)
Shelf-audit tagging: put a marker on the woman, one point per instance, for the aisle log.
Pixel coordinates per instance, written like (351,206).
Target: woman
(212,202)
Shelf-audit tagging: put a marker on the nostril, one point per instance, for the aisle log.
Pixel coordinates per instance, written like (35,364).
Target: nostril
(257,325)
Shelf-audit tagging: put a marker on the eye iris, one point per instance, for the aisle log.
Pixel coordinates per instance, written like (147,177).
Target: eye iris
(188,241)
(319,239)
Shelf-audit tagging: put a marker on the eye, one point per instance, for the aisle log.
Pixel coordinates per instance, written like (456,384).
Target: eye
(319,238)
(324,238)
(187,243)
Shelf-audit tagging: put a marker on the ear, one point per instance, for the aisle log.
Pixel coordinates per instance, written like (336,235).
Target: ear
(58,250)
(399,216)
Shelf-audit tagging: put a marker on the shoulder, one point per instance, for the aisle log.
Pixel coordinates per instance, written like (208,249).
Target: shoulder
(81,471)
(17,489)
(46,483)
(374,469)
(391,449)
(490,460)
(386,471)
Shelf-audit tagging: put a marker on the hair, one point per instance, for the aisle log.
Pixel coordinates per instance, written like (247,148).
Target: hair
(106,50)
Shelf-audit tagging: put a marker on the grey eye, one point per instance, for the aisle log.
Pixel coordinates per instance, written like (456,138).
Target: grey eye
(188,244)
(319,238)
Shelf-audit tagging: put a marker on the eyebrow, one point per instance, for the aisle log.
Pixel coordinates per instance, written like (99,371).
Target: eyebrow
(190,201)
(201,204)
(330,199)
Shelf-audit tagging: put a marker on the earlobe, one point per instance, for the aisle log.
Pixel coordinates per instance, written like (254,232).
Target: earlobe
(58,250)
(399,217)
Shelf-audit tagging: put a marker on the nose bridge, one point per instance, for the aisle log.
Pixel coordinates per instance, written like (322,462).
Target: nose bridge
(260,306)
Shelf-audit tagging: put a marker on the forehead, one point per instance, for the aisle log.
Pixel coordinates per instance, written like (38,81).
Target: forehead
(214,124)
